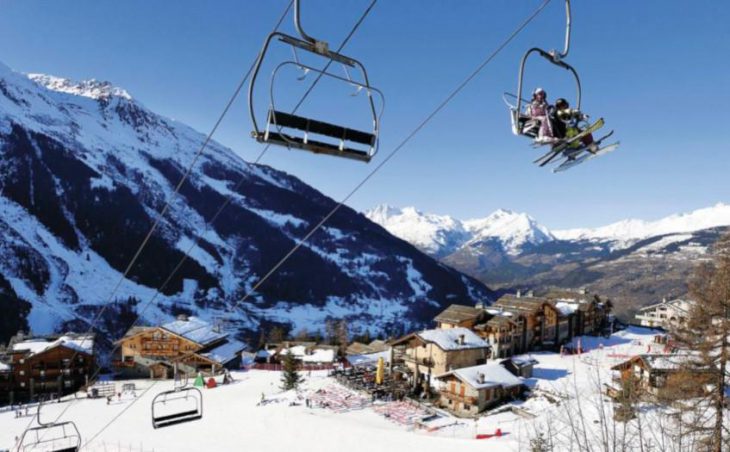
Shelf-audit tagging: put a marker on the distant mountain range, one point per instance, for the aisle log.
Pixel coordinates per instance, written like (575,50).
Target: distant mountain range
(84,171)
(633,261)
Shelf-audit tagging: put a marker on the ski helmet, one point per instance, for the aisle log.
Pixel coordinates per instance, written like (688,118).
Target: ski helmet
(561,103)
(538,91)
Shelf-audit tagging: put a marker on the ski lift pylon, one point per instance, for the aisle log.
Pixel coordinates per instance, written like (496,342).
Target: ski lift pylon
(50,437)
(293,131)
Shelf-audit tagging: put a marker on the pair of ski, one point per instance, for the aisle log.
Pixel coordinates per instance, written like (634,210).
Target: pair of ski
(568,149)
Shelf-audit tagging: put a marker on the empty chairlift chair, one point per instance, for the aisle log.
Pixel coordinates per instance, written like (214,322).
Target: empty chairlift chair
(50,437)
(182,404)
(298,132)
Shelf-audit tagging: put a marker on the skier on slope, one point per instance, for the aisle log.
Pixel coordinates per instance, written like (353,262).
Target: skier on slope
(540,111)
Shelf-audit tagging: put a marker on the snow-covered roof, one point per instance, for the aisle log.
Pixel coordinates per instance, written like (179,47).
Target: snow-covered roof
(311,355)
(195,329)
(566,308)
(450,339)
(79,343)
(523,360)
(265,353)
(225,352)
(485,376)
(320,356)
(368,359)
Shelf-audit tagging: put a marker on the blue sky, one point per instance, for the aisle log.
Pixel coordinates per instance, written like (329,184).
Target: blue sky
(657,70)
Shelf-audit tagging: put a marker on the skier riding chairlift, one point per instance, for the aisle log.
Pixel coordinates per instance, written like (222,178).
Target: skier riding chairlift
(566,124)
(553,124)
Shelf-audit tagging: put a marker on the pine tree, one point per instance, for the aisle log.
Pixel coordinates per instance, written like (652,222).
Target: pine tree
(704,336)
(290,378)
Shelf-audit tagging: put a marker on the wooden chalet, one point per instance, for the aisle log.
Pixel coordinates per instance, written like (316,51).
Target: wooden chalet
(432,352)
(655,374)
(188,343)
(539,316)
(459,316)
(471,390)
(54,365)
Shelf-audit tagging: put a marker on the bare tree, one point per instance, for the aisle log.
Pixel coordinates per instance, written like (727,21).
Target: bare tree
(700,387)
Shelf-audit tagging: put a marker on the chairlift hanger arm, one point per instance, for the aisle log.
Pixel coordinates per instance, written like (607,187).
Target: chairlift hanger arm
(302,45)
(551,58)
(568,24)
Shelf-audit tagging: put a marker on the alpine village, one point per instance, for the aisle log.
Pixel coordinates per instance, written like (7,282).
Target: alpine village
(162,291)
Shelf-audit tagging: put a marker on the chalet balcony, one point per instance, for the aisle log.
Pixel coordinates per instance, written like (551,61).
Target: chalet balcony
(459,398)
(428,362)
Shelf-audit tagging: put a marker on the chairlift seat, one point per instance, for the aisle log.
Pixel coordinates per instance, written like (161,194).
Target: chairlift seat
(280,120)
(189,414)
(177,418)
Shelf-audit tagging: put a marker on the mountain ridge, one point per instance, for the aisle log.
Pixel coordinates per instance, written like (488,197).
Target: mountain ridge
(84,171)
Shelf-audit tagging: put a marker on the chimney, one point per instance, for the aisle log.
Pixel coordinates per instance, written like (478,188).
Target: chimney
(479,305)
(519,293)
(461,339)
(480,378)
(530,293)
(182,317)
(664,300)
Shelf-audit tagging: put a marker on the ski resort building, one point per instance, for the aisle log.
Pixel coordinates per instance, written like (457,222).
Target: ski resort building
(661,374)
(188,343)
(518,323)
(469,391)
(667,314)
(460,316)
(434,352)
(53,365)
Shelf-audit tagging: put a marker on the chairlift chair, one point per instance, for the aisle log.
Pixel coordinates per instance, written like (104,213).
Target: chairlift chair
(518,119)
(182,404)
(50,437)
(295,131)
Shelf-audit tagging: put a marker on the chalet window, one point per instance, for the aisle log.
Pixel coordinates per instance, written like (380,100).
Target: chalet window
(156,336)
(66,362)
(22,361)
(67,383)
(67,371)
(22,384)
(22,372)
(467,407)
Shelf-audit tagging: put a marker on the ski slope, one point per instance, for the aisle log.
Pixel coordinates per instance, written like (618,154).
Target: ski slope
(233,419)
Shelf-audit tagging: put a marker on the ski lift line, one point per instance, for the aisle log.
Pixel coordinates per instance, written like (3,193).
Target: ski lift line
(418,128)
(229,198)
(227,107)
(413,133)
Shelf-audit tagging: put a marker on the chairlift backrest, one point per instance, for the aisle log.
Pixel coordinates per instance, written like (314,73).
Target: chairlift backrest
(296,131)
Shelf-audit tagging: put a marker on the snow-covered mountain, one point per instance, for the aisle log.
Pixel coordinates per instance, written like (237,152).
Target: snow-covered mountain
(631,230)
(84,171)
(633,261)
(441,235)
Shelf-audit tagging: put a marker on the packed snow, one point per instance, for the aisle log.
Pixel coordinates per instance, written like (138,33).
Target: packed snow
(235,417)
